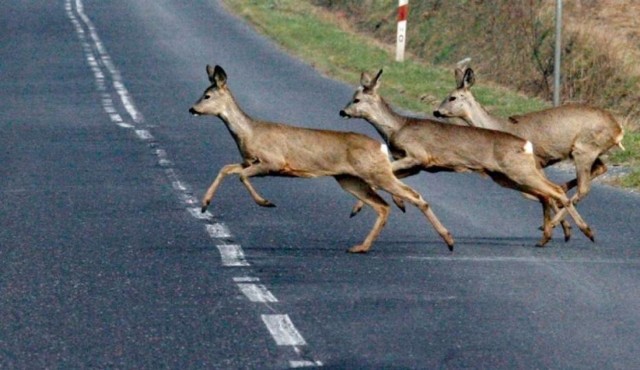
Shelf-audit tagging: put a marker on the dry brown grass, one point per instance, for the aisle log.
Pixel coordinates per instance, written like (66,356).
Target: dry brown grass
(511,43)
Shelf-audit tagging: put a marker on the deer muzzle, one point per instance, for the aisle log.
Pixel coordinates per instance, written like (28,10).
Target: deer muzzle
(194,112)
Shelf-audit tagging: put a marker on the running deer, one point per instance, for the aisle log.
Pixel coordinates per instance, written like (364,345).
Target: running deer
(428,145)
(358,162)
(572,131)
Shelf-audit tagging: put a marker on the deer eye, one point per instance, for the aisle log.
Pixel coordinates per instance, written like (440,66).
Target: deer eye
(356,101)
(452,98)
(207,97)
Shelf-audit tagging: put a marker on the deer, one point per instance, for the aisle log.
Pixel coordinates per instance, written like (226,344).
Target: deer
(423,144)
(572,131)
(359,163)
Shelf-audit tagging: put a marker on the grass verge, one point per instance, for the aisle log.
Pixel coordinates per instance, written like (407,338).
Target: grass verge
(328,43)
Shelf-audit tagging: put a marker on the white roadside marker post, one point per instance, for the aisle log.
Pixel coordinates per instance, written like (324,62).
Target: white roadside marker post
(403,12)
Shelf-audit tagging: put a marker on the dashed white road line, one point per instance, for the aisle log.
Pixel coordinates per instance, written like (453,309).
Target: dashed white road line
(299,364)
(232,255)
(218,231)
(144,134)
(198,214)
(257,292)
(279,325)
(282,330)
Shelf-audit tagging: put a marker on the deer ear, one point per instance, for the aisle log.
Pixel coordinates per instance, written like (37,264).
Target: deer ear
(459,74)
(376,81)
(210,72)
(217,75)
(365,79)
(469,78)
(220,76)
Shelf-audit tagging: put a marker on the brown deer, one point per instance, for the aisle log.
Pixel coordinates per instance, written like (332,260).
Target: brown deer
(572,131)
(356,161)
(427,145)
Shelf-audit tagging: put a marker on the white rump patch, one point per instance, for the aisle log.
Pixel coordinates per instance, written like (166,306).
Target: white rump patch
(384,149)
(619,140)
(528,147)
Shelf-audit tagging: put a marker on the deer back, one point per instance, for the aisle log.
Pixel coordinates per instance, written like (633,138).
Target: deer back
(308,152)
(458,148)
(557,131)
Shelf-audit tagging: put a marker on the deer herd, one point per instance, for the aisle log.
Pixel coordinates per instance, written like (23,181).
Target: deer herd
(511,151)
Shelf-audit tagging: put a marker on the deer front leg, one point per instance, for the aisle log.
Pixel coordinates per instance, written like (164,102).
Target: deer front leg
(598,168)
(224,172)
(255,170)
(230,170)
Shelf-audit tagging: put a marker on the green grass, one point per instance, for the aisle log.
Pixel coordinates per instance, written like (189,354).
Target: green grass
(302,30)
(629,158)
(308,33)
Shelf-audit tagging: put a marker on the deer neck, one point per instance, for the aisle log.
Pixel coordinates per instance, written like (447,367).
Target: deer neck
(240,125)
(479,117)
(385,120)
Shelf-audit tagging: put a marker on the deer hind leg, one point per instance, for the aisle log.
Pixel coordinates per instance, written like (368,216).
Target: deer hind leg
(566,227)
(365,193)
(529,192)
(543,186)
(547,228)
(402,168)
(395,187)
(359,204)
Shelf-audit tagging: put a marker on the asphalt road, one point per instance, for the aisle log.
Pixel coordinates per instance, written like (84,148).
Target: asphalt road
(104,263)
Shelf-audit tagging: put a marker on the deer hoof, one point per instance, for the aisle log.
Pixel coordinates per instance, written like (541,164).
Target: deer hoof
(358,249)
(542,243)
(205,205)
(266,203)
(399,203)
(356,208)
(589,233)
(566,228)
(448,238)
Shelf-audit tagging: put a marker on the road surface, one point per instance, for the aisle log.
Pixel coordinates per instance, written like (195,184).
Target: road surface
(106,262)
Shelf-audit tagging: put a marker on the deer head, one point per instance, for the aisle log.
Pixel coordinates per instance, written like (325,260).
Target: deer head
(215,98)
(365,99)
(460,102)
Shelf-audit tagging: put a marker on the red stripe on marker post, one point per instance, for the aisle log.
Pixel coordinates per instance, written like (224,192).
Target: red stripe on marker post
(403,13)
